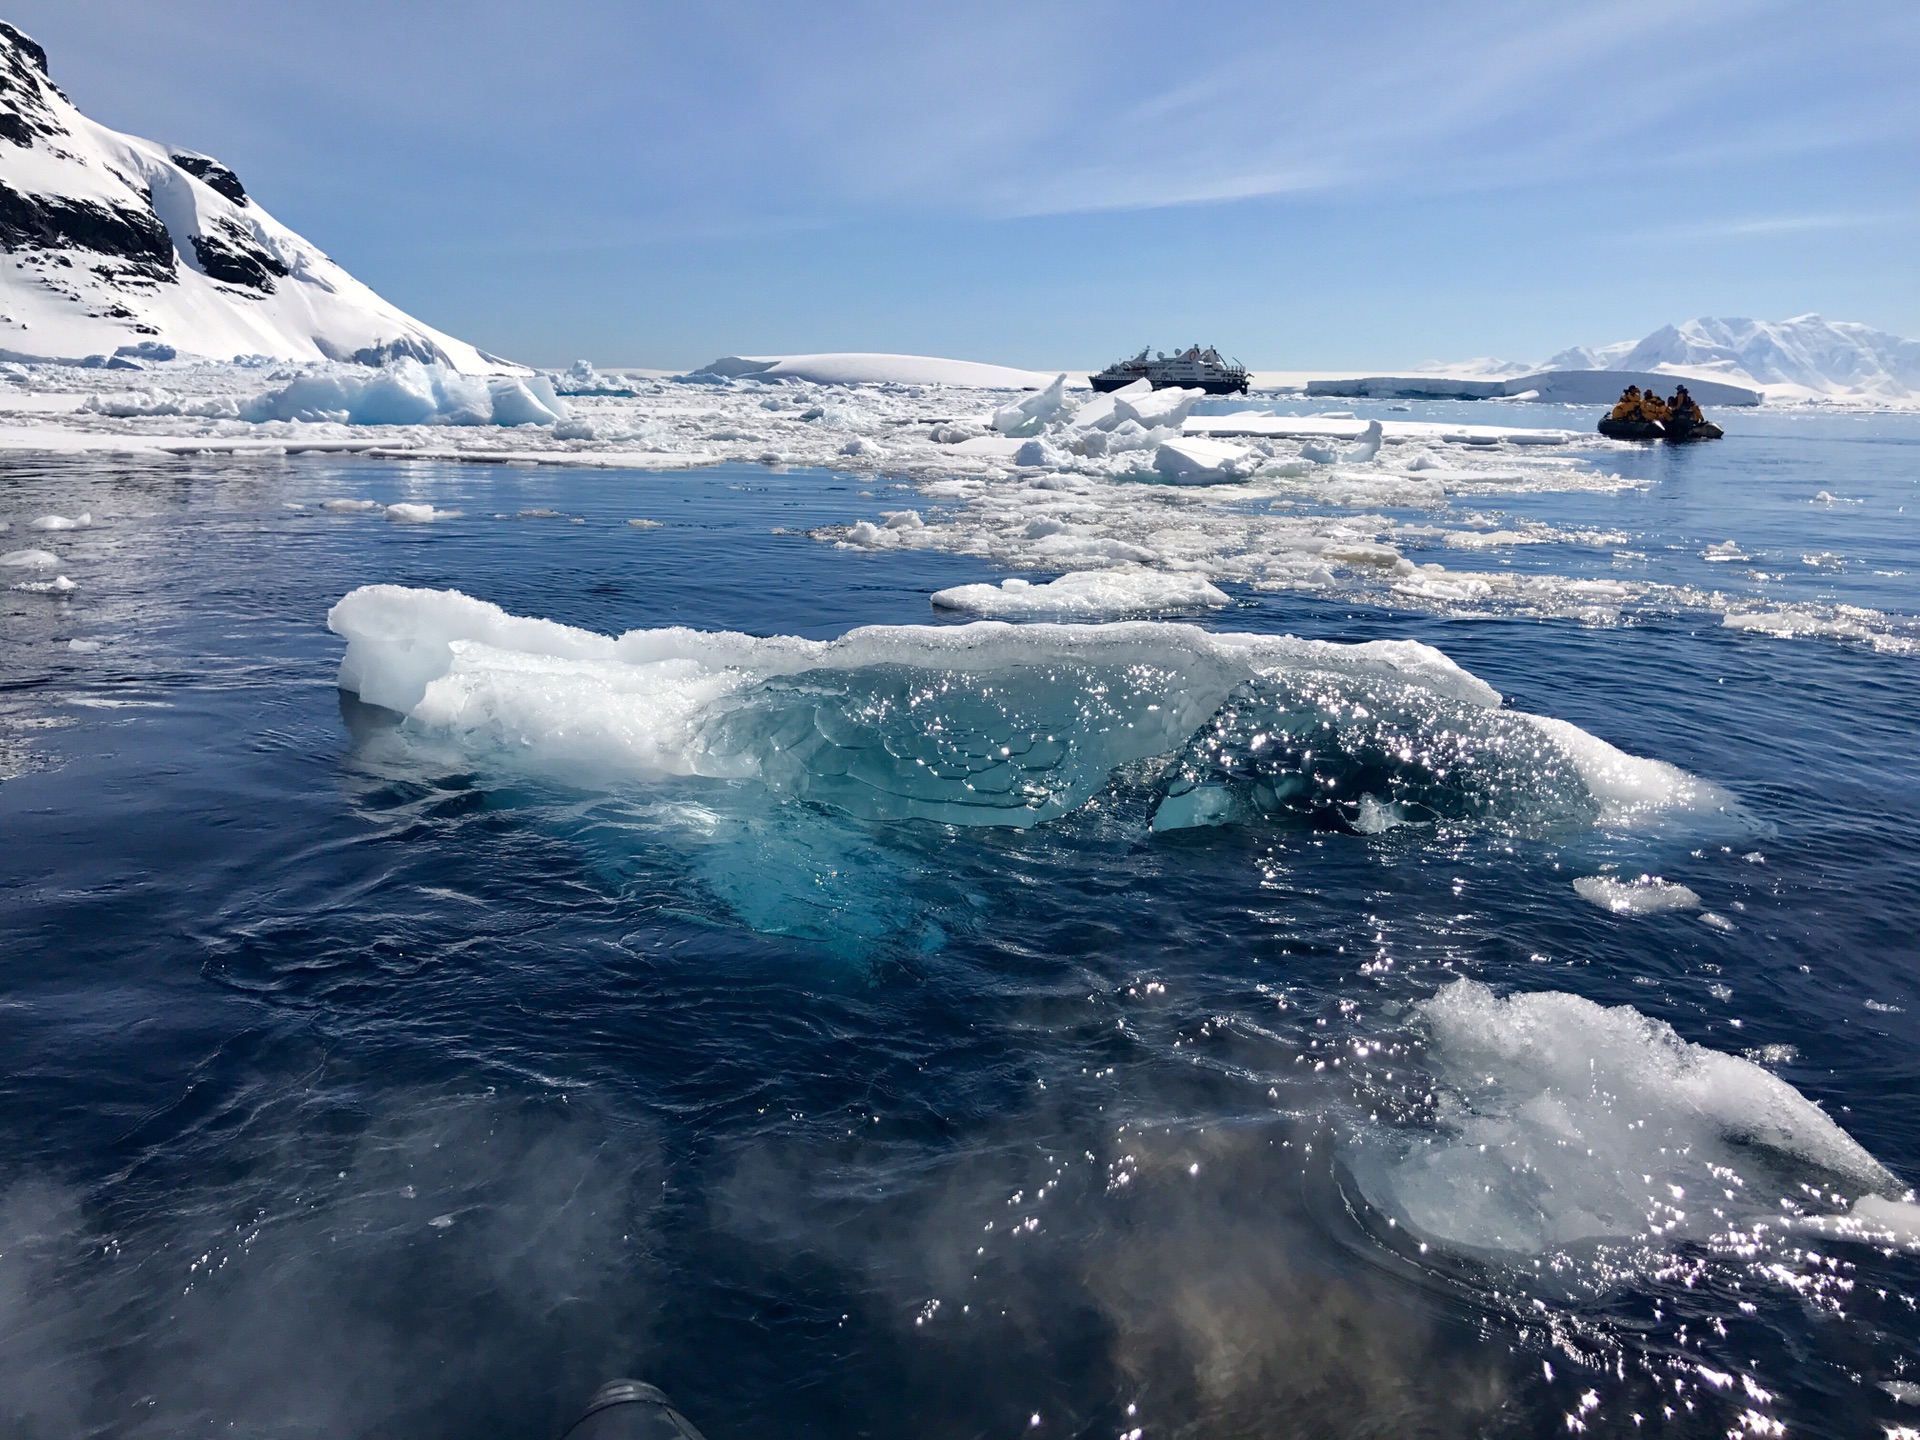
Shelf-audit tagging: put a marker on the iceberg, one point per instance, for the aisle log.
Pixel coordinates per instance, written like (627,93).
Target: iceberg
(407,392)
(987,723)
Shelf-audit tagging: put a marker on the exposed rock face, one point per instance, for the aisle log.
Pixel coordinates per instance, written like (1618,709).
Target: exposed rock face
(113,248)
(25,115)
(227,252)
(205,167)
(51,222)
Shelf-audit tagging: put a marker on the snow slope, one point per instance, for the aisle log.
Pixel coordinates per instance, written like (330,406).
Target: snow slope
(860,368)
(1802,358)
(110,243)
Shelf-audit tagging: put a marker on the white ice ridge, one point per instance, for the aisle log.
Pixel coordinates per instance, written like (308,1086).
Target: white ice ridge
(1086,595)
(986,723)
(1560,1120)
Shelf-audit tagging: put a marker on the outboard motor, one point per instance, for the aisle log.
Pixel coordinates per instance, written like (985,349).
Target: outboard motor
(630,1410)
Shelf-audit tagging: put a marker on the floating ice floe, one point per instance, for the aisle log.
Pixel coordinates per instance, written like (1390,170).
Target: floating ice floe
(1560,1121)
(1839,622)
(990,723)
(1647,895)
(408,514)
(349,507)
(61,522)
(29,559)
(1086,595)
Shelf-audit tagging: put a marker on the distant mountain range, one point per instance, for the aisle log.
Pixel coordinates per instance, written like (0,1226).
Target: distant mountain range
(1803,358)
(114,249)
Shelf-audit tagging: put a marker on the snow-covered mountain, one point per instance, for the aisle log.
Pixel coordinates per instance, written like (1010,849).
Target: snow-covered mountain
(1806,356)
(112,244)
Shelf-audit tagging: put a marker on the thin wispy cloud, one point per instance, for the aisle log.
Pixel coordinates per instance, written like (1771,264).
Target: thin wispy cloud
(894,174)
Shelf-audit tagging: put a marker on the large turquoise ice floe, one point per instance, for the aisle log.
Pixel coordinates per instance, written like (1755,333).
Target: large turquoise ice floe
(997,724)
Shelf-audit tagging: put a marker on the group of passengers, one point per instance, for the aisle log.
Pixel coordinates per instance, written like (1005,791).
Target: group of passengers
(1679,406)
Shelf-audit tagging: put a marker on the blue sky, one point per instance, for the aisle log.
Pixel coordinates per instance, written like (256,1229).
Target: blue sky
(1306,186)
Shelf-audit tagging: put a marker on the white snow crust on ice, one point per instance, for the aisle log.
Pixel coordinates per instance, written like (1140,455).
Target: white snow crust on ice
(301,306)
(986,723)
(1561,1121)
(1647,895)
(1086,595)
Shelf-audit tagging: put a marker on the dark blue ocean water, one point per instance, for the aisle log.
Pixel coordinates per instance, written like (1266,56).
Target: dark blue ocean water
(344,1093)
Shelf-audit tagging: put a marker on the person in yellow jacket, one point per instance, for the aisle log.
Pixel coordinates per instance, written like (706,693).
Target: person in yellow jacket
(1652,407)
(1629,406)
(1685,407)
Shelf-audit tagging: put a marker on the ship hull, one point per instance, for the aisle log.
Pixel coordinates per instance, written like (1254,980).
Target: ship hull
(1107,381)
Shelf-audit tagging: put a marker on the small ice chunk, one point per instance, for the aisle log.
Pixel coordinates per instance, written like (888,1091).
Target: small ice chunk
(1039,454)
(1198,808)
(1376,817)
(30,559)
(59,585)
(418,514)
(1156,409)
(349,507)
(1724,551)
(646,524)
(1195,460)
(61,522)
(1648,895)
(83,647)
(1368,447)
(1561,1120)
(1030,416)
(1087,595)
